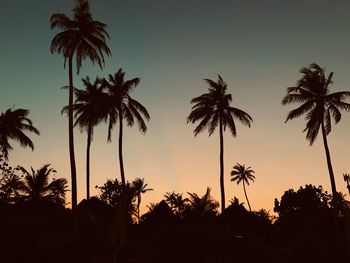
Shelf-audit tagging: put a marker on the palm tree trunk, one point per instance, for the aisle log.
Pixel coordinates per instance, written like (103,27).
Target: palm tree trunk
(88,163)
(138,207)
(121,150)
(222,188)
(329,163)
(246,197)
(71,135)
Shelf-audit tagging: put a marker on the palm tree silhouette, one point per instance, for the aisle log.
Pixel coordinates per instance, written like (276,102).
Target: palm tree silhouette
(201,206)
(91,108)
(13,124)
(124,107)
(37,186)
(11,186)
(243,174)
(81,37)
(140,188)
(319,105)
(213,109)
(176,202)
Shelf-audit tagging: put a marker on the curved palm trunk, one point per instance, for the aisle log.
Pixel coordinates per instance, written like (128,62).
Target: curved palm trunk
(329,163)
(246,197)
(88,163)
(71,135)
(121,150)
(222,188)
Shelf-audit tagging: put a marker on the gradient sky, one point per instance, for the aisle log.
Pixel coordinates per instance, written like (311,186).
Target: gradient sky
(258,47)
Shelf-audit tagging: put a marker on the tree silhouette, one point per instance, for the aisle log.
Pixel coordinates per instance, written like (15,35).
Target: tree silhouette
(243,174)
(319,105)
(124,107)
(13,125)
(91,108)
(37,186)
(176,202)
(140,188)
(202,206)
(80,37)
(213,109)
(11,187)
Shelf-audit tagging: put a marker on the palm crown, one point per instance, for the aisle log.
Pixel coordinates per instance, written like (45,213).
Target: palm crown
(211,107)
(82,35)
(123,105)
(91,104)
(241,173)
(319,105)
(13,124)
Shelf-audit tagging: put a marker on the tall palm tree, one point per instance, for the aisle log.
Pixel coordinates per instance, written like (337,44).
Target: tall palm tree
(80,38)
(124,107)
(37,186)
(243,174)
(140,188)
(13,125)
(319,105)
(91,108)
(213,109)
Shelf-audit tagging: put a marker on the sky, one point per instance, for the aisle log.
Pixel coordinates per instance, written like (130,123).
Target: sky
(258,47)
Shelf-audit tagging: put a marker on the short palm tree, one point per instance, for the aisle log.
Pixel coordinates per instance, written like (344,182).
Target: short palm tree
(243,174)
(13,125)
(213,109)
(177,203)
(11,186)
(140,187)
(91,108)
(319,105)
(37,186)
(124,107)
(80,38)
(202,206)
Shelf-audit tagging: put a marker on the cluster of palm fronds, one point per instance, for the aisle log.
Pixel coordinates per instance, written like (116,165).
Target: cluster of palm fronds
(194,205)
(113,193)
(18,184)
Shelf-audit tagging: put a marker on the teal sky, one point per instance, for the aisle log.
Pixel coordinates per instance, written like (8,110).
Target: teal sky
(258,47)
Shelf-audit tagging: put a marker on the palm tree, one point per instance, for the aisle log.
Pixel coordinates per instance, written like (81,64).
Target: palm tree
(243,174)
(91,108)
(213,109)
(81,37)
(13,125)
(37,186)
(176,202)
(124,107)
(202,206)
(140,188)
(11,187)
(319,105)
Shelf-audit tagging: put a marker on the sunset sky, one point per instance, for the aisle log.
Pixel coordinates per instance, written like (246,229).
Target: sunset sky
(258,47)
